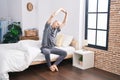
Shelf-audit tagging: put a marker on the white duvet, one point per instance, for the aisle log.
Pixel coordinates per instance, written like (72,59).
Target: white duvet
(17,56)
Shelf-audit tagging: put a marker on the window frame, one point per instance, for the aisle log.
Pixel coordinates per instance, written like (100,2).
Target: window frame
(86,25)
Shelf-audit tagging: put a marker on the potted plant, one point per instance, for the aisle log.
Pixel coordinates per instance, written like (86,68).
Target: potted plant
(81,60)
(13,34)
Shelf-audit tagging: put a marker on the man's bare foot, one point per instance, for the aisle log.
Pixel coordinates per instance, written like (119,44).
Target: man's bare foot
(52,68)
(56,68)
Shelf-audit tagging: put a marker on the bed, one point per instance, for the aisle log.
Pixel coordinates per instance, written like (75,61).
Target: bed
(40,59)
(19,56)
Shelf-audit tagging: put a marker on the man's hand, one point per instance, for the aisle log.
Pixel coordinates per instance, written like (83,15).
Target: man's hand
(65,17)
(64,11)
(51,17)
(55,13)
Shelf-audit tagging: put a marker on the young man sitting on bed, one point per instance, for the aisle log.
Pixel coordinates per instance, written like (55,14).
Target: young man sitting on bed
(48,41)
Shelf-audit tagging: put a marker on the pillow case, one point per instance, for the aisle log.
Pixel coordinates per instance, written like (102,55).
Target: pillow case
(67,40)
(59,40)
(63,40)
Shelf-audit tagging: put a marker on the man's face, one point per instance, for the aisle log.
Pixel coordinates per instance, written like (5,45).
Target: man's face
(56,24)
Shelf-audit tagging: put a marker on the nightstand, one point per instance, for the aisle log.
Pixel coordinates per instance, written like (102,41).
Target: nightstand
(83,59)
(29,38)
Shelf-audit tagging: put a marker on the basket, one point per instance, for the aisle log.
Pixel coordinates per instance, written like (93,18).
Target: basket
(29,33)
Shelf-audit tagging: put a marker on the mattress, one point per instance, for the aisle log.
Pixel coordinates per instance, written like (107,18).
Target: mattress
(69,49)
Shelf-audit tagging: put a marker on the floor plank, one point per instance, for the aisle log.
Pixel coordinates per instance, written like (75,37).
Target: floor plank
(66,72)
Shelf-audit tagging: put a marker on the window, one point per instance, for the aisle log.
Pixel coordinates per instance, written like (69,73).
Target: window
(97,23)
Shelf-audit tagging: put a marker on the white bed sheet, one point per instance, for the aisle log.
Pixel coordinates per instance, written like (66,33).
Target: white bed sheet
(68,49)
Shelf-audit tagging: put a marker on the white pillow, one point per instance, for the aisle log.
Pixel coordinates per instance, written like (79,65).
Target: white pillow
(67,40)
(59,40)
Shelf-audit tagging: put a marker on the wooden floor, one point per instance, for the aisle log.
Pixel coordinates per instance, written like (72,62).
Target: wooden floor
(66,72)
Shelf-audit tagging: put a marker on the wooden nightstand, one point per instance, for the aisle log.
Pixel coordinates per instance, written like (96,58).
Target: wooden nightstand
(29,38)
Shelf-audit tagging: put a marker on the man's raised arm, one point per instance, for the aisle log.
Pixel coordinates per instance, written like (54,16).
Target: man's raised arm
(65,18)
(53,15)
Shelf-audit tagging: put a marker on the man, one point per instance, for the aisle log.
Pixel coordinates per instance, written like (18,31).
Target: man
(48,41)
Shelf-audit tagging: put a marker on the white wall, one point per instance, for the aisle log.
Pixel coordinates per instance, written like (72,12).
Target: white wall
(44,12)
(82,24)
(75,23)
(29,18)
(3,9)
(42,9)
(15,10)
(72,7)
